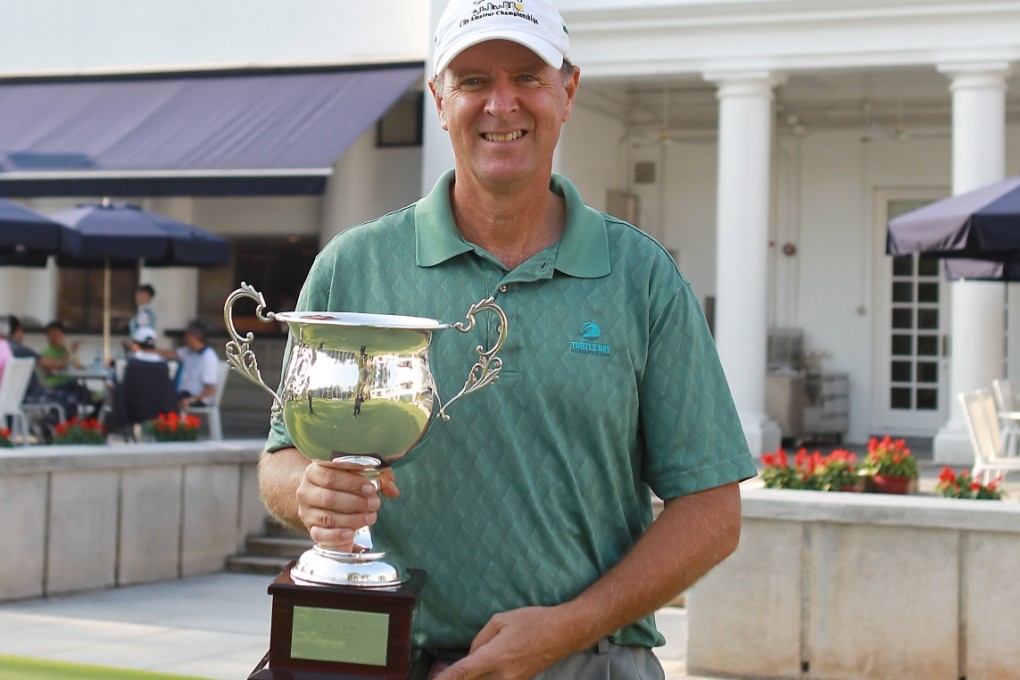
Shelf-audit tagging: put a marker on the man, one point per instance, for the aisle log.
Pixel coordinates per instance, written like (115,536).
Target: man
(199,366)
(57,356)
(19,349)
(143,346)
(145,317)
(67,395)
(530,509)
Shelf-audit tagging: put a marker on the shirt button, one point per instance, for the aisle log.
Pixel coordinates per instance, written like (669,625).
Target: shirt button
(502,289)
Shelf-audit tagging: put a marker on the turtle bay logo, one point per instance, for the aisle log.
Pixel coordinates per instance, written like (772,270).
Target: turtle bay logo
(589,342)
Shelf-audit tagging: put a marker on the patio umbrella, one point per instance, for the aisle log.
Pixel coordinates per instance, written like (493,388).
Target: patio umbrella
(27,238)
(979,270)
(118,234)
(983,224)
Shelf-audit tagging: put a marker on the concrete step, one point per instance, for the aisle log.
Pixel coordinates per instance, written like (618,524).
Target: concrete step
(276,546)
(270,527)
(254,564)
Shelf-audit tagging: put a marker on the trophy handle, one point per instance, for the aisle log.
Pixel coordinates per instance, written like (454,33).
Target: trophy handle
(239,356)
(487,369)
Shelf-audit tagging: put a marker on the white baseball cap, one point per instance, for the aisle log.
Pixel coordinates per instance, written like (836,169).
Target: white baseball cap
(144,336)
(536,24)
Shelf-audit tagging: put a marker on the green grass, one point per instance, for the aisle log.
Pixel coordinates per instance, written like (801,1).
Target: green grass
(22,668)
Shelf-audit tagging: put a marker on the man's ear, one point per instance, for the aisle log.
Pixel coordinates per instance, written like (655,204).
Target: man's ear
(571,93)
(437,98)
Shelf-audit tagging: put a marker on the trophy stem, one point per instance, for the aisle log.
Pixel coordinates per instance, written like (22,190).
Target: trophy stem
(361,566)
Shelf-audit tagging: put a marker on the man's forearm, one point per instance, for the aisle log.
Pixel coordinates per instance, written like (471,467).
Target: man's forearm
(691,535)
(279,476)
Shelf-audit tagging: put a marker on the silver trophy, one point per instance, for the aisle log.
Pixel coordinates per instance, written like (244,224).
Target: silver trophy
(357,389)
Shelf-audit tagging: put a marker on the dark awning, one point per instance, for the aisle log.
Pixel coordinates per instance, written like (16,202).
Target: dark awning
(264,132)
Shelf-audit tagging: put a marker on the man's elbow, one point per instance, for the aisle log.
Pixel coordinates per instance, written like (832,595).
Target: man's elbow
(730,533)
(726,520)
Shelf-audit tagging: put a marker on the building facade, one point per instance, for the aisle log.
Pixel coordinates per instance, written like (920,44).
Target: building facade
(765,143)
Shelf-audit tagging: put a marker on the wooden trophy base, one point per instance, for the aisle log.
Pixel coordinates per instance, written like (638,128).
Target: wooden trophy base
(327,632)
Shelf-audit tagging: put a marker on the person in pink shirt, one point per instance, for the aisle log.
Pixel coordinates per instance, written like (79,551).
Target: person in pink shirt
(5,347)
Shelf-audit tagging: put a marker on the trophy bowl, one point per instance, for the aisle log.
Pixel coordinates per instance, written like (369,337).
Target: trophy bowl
(358,390)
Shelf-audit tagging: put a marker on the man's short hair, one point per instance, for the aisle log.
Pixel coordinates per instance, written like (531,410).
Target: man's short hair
(14,323)
(147,288)
(198,329)
(55,324)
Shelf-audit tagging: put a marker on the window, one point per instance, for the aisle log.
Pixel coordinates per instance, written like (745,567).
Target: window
(276,267)
(80,298)
(402,124)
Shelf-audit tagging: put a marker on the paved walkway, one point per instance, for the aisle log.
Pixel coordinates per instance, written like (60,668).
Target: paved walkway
(214,627)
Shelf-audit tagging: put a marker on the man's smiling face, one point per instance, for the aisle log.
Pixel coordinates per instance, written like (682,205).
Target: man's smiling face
(503,107)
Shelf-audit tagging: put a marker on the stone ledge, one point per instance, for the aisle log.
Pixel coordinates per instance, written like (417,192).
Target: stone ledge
(915,510)
(88,517)
(36,459)
(837,585)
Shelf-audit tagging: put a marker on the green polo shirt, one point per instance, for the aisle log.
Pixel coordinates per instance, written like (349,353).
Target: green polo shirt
(539,483)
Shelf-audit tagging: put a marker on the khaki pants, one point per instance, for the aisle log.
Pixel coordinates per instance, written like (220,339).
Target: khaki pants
(604,661)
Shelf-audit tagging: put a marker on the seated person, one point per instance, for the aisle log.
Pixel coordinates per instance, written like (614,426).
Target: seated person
(58,356)
(5,347)
(37,393)
(145,390)
(143,345)
(199,369)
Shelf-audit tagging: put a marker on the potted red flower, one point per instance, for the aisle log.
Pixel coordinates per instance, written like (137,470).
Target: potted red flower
(889,466)
(962,485)
(813,472)
(79,431)
(5,438)
(173,427)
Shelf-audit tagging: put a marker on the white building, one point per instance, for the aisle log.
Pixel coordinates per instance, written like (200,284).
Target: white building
(764,142)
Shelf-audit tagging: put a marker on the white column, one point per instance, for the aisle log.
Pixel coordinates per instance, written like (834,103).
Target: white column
(979,158)
(437,156)
(742,237)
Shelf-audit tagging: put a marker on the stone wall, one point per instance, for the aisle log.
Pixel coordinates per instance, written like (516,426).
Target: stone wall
(828,585)
(88,517)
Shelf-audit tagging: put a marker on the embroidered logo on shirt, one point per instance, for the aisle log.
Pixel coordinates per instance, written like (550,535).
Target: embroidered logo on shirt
(588,344)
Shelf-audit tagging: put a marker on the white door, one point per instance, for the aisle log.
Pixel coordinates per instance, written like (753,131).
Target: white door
(910,394)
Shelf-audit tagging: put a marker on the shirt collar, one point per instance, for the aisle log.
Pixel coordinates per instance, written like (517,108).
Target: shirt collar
(583,250)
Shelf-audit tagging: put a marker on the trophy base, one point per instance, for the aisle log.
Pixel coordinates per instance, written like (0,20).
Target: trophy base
(340,632)
(421,665)
(365,569)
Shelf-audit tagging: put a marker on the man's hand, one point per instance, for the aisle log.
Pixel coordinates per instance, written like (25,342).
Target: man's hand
(517,644)
(334,500)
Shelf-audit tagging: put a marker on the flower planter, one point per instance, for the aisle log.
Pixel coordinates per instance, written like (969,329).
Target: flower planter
(893,484)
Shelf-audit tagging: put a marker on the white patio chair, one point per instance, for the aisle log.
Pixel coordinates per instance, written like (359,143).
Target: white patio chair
(985,435)
(211,408)
(1009,415)
(13,386)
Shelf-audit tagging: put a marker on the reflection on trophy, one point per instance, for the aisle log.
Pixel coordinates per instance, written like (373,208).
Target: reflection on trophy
(356,389)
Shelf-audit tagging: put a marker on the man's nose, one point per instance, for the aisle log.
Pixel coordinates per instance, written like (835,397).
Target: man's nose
(502,99)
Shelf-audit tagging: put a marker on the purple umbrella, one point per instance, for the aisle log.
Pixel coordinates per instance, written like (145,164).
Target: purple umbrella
(27,238)
(983,224)
(117,234)
(980,270)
